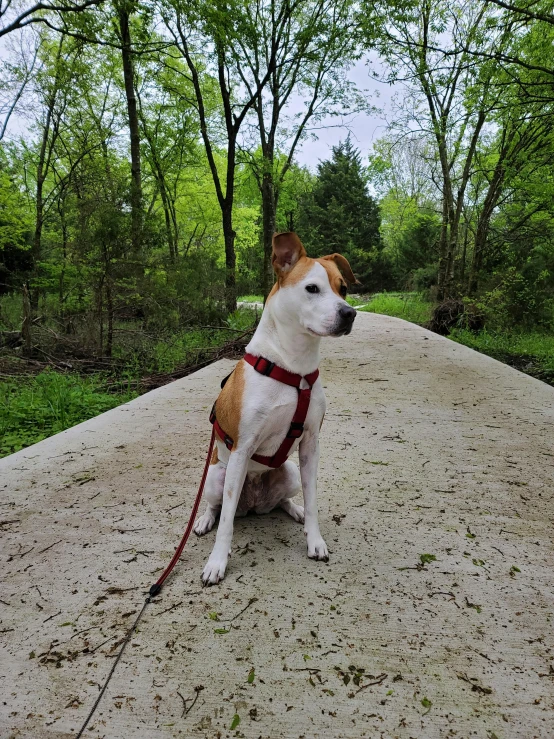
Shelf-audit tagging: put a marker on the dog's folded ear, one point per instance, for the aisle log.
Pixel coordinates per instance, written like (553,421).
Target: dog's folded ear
(287,250)
(344,266)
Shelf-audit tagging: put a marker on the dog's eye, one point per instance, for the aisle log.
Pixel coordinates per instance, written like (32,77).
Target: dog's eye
(312,288)
(343,291)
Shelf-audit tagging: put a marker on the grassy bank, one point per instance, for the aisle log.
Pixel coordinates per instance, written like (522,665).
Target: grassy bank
(532,353)
(37,404)
(35,407)
(411,307)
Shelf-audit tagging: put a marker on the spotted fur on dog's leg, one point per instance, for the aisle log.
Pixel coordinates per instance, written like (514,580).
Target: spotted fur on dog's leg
(235,474)
(309,459)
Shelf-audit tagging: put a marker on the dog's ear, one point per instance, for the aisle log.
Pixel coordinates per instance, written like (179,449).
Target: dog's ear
(287,250)
(344,266)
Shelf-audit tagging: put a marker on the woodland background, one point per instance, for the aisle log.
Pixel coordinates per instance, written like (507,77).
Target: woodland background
(148,152)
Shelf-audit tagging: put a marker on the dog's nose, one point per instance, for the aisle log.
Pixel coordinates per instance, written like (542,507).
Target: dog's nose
(347,314)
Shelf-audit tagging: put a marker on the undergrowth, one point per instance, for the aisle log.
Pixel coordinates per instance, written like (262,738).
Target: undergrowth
(35,407)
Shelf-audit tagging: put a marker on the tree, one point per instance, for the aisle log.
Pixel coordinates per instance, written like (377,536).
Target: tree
(124,10)
(208,35)
(458,91)
(317,46)
(339,215)
(14,17)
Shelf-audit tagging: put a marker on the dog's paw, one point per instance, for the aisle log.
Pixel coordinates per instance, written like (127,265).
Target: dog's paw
(294,510)
(317,549)
(204,524)
(214,571)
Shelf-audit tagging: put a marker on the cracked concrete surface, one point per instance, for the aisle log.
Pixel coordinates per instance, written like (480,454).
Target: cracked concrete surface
(427,448)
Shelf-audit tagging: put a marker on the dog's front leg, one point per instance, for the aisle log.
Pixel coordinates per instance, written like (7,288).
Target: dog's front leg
(214,571)
(309,460)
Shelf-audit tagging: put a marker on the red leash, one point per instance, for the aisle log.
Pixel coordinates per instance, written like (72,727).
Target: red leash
(264,367)
(155,589)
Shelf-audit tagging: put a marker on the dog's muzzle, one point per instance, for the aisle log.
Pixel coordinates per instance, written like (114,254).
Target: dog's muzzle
(345,319)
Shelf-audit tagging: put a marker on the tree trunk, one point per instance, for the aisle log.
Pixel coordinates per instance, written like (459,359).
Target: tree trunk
(168,222)
(27,321)
(42,171)
(268,229)
(132,114)
(229,236)
(109,306)
(443,253)
(483,225)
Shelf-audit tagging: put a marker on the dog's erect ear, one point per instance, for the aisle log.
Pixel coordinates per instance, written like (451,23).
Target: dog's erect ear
(287,250)
(344,266)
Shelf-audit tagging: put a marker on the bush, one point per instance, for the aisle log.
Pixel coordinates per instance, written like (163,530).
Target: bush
(424,278)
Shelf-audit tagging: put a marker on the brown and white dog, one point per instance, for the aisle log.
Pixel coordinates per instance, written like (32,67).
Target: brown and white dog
(305,304)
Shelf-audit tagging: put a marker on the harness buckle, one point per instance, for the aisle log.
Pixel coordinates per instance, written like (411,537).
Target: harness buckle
(296,430)
(267,370)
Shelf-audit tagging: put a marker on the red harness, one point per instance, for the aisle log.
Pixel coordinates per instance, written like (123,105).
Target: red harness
(296,429)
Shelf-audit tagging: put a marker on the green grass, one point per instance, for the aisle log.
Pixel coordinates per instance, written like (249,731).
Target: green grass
(355,300)
(409,306)
(33,408)
(251,299)
(531,352)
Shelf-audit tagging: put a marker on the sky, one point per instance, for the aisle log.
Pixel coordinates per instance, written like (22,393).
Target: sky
(364,128)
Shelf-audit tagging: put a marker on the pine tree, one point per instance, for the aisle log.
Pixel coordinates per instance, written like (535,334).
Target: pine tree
(339,215)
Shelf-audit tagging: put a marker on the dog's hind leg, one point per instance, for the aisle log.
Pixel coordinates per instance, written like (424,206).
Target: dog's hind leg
(213,493)
(281,485)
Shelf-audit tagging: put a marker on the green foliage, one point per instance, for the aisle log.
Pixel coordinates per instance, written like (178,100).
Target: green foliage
(339,215)
(409,306)
(32,409)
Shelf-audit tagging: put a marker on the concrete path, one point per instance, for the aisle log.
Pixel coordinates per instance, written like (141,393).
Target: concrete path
(428,449)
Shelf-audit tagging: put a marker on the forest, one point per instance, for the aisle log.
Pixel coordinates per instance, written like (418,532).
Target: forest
(149,151)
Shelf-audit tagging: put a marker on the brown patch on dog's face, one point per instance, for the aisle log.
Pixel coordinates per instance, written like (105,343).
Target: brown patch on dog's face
(336,280)
(342,264)
(298,272)
(228,405)
(215,458)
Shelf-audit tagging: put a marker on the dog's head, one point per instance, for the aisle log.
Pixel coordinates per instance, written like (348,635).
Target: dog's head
(311,291)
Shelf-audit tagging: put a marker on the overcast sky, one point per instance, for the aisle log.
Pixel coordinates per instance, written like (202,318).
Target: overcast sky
(364,128)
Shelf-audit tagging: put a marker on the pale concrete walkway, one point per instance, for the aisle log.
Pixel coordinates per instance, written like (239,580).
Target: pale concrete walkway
(427,448)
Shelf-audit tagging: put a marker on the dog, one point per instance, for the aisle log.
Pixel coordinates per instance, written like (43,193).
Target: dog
(254,409)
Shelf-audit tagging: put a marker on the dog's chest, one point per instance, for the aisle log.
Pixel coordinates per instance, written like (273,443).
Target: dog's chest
(268,409)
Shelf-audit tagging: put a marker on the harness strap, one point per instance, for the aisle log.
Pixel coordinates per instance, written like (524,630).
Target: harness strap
(296,428)
(270,369)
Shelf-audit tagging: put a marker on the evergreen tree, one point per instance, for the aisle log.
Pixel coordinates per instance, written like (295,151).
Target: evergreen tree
(339,215)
